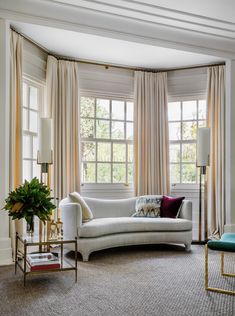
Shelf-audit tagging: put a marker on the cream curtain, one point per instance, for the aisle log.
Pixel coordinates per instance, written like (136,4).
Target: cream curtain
(216,176)
(63,106)
(15,161)
(151,139)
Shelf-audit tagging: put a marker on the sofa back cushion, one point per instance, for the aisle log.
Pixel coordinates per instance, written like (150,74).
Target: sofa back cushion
(111,208)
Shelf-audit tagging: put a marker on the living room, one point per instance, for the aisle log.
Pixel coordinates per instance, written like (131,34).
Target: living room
(123,112)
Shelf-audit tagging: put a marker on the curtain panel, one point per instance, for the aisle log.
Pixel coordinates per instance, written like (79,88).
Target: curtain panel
(216,175)
(151,141)
(15,150)
(63,107)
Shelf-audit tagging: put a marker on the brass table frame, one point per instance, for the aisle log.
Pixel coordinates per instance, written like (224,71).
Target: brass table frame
(65,265)
(213,289)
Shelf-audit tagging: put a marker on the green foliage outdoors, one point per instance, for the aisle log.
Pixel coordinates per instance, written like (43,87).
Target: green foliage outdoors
(94,125)
(28,200)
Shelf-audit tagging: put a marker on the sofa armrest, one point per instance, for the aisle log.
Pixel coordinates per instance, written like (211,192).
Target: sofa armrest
(186,210)
(71,216)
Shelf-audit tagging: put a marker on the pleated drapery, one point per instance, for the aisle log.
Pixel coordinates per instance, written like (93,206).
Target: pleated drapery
(15,150)
(216,175)
(63,107)
(151,141)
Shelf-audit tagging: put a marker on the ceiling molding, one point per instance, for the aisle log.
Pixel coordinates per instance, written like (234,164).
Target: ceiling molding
(162,16)
(216,37)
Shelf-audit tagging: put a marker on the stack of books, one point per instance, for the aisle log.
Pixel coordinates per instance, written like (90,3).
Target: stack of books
(42,261)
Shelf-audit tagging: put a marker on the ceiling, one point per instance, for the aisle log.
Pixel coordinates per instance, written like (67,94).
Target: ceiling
(109,50)
(141,33)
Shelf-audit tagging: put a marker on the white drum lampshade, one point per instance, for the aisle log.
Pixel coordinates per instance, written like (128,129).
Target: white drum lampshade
(203,147)
(45,141)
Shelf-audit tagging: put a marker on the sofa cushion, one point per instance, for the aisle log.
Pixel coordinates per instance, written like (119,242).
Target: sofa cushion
(147,206)
(86,211)
(170,206)
(106,226)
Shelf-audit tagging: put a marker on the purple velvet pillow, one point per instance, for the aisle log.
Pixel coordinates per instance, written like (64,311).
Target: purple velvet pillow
(170,206)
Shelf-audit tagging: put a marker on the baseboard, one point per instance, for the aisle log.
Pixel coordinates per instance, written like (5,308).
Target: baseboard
(229,228)
(5,251)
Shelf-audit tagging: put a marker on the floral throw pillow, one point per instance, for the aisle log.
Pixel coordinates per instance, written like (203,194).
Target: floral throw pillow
(147,206)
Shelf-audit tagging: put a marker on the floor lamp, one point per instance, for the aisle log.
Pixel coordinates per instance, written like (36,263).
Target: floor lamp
(203,160)
(44,158)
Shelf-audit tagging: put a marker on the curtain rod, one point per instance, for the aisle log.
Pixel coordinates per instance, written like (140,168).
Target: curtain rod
(106,65)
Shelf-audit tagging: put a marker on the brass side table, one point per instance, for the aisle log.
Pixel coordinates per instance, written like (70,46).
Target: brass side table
(33,241)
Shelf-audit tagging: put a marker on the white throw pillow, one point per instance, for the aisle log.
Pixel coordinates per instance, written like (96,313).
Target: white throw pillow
(86,211)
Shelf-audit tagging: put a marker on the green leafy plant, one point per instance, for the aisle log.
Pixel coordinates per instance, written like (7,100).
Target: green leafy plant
(28,200)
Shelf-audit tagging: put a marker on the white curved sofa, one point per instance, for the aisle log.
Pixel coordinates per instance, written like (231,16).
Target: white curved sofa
(113,225)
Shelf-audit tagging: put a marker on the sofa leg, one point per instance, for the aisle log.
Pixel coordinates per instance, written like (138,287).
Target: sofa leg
(85,257)
(187,247)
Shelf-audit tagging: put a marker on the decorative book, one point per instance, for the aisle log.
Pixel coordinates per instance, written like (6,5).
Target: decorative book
(42,261)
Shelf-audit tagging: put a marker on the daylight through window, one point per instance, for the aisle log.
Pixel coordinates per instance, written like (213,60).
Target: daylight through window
(107,140)
(31,102)
(184,119)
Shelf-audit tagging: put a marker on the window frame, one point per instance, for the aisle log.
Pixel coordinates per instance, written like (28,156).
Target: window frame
(41,97)
(186,187)
(112,186)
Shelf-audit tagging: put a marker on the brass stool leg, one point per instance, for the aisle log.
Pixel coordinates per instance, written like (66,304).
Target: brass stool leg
(213,289)
(206,267)
(222,263)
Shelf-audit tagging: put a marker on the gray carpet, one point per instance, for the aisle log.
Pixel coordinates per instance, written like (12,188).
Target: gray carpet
(146,280)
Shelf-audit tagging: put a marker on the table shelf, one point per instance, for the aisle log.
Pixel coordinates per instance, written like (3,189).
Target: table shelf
(22,264)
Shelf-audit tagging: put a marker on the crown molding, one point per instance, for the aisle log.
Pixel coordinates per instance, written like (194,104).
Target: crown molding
(213,37)
(153,14)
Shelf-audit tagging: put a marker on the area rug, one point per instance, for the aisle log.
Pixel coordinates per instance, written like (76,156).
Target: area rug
(147,280)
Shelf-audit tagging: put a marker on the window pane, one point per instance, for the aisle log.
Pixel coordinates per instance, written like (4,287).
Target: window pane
(87,107)
(175,173)
(130,111)
(102,129)
(88,171)
(87,128)
(190,110)
(25,119)
(102,108)
(119,173)
(174,111)
(35,147)
(129,130)
(26,170)
(33,98)
(33,121)
(88,151)
(175,153)
(189,130)
(104,151)
(188,152)
(130,173)
(201,124)
(174,131)
(202,109)
(117,130)
(103,172)
(130,153)
(26,147)
(117,110)
(25,95)
(119,152)
(188,173)
(36,170)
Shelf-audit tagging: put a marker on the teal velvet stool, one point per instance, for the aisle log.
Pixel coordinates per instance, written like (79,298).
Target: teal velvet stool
(225,244)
